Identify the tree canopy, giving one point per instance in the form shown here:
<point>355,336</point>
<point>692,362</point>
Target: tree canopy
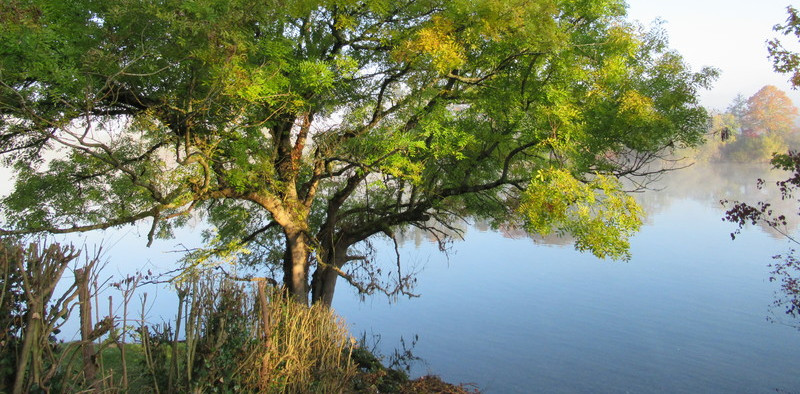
<point>770,111</point>
<point>304,129</point>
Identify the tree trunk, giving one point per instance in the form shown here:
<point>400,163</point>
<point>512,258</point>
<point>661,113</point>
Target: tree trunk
<point>30,339</point>
<point>295,265</point>
<point>87,345</point>
<point>323,285</point>
<point>323,282</point>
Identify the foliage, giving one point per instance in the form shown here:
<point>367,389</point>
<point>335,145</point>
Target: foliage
<point>769,111</point>
<point>754,149</point>
<point>302,131</point>
<point>595,211</point>
<point>156,342</point>
<point>12,307</point>
<point>725,124</point>
<point>228,337</point>
<point>787,271</point>
<point>752,130</point>
<point>785,60</point>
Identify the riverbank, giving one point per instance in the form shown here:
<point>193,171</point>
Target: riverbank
<point>131,371</point>
<point>228,335</point>
<point>374,377</point>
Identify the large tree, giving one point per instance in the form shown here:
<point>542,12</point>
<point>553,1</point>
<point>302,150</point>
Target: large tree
<point>769,111</point>
<point>309,127</point>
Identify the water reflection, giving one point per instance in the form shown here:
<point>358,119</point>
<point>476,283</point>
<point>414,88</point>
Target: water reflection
<point>705,183</point>
<point>709,184</point>
<point>686,314</point>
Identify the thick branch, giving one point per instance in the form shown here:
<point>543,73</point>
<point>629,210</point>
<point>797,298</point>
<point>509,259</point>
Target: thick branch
<point>76,228</point>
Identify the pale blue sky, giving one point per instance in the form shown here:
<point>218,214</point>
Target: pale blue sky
<point>729,35</point>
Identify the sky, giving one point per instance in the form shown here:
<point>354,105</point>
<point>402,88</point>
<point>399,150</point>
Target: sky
<point>728,35</point>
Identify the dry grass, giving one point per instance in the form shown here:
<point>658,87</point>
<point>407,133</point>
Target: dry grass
<point>308,349</point>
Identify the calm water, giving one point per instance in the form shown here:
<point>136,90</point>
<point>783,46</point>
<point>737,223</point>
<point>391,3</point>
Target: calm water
<point>686,314</point>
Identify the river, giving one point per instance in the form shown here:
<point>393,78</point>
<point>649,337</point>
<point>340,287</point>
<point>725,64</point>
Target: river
<point>688,313</point>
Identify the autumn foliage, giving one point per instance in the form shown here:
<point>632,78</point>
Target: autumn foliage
<point>752,130</point>
<point>769,111</point>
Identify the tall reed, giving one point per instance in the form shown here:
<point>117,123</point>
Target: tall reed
<point>307,349</point>
<point>242,336</point>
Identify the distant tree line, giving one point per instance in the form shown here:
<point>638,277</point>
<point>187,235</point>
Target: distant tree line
<point>751,130</point>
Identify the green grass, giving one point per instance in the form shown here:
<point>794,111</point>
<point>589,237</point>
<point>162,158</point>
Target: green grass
<point>111,364</point>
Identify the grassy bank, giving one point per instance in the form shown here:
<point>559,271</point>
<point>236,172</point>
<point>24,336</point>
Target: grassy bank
<point>371,375</point>
<point>229,335</point>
